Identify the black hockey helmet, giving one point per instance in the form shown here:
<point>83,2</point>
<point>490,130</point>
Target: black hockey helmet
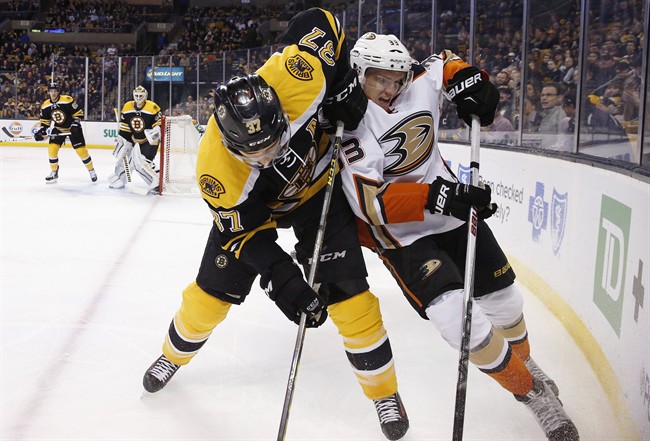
<point>53,86</point>
<point>251,120</point>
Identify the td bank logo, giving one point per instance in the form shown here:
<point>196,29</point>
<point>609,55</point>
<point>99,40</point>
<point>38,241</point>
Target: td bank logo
<point>611,257</point>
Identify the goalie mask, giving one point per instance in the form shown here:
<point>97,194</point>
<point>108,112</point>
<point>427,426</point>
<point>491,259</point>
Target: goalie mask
<point>384,52</point>
<point>140,96</point>
<point>253,125</point>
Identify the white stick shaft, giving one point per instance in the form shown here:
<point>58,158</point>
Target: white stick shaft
<point>472,227</point>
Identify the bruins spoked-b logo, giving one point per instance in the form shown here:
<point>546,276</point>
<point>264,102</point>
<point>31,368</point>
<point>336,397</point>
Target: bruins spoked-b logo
<point>221,261</point>
<point>211,186</point>
<point>299,68</point>
<point>137,124</point>
<point>58,116</point>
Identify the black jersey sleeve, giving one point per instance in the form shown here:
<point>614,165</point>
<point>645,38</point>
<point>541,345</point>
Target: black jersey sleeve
<point>320,33</point>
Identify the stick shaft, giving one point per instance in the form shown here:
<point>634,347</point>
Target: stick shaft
<point>320,234</point>
<point>463,362</point>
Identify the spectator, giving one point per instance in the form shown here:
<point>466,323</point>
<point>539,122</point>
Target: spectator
<point>568,71</point>
<point>552,113</point>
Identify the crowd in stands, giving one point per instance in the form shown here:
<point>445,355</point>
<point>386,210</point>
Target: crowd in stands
<point>550,71</point>
<point>102,15</point>
<point>612,72</point>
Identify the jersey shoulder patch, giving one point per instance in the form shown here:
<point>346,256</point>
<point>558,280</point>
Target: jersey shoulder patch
<point>221,177</point>
<point>151,107</point>
<point>129,106</point>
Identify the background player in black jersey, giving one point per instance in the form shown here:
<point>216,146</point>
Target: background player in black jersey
<point>66,114</point>
<point>139,124</point>
<point>262,165</point>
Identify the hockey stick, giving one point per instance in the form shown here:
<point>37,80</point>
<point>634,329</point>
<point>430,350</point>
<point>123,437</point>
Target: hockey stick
<point>300,338</point>
<point>31,137</point>
<point>127,170</point>
<point>461,385</point>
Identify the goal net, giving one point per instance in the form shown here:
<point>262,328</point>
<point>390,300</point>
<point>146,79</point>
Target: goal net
<point>179,146</point>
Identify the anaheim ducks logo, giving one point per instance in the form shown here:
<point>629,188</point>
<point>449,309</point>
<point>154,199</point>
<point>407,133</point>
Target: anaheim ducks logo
<point>211,186</point>
<point>299,68</point>
<point>413,139</point>
<point>429,267</point>
<point>137,124</point>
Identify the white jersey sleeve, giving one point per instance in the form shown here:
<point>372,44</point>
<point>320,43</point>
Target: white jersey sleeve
<point>391,158</point>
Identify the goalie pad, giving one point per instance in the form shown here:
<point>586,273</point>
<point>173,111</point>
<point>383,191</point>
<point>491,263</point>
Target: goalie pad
<point>120,177</point>
<point>153,135</point>
<point>145,168</point>
<point>122,147</point>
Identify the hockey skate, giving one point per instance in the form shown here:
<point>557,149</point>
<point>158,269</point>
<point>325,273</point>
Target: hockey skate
<point>52,177</point>
<point>549,413</point>
<point>159,374</point>
<point>93,175</point>
<point>536,372</point>
<point>392,416</point>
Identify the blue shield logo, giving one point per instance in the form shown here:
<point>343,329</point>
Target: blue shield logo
<point>559,205</point>
<point>463,174</point>
<point>538,211</point>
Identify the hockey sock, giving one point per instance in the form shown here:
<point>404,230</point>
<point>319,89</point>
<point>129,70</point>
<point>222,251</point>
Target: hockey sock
<point>517,337</point>
<point>53,154</point>
<point>193,323</point>
<point>85,157</point>
<point>495,358</point>
<point>366,342</point>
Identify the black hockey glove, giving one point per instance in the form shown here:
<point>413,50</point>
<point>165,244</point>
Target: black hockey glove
<point>455,199</point>
<point>75,126</point>
<point>40,134</point>
<point>346,102</point>
<point>285,285</point>
<point>473,94</point>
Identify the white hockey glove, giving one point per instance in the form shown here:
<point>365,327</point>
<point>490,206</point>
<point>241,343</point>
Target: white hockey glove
<point>122,147</point>
<point>153,135</point>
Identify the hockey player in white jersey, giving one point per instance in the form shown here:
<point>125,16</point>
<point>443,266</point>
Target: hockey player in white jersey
<point>414,210</point>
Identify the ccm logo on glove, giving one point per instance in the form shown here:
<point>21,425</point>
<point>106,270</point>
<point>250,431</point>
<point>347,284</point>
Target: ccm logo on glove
<point>343,94</point>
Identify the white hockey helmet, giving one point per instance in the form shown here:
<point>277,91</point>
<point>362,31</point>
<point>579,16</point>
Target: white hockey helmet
<point>140,95</point>
<point>381,52</point>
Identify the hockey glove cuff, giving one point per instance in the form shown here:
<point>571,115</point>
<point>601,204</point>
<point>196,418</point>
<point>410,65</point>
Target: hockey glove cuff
<point>346,102</point>
<point>474,94</point>
<point>285,285</point>
<point>40,134</point>
<point>455,199</point>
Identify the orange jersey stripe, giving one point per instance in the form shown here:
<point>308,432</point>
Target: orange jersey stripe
<point>404,202</point>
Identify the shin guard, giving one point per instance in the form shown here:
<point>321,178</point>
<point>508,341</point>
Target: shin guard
<point>359,322</point>
<point>495,358</point>
<point>193,323</point>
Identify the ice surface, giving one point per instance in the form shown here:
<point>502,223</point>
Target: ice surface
<point>91,277</point>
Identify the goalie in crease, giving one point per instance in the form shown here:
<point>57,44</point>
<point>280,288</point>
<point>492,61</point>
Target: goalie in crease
<point>139,124</point>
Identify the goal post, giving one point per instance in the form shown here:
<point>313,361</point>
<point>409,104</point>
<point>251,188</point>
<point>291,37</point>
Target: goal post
<point>179,145</point>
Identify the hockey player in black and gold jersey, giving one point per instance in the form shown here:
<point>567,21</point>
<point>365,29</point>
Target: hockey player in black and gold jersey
<point>139,124</point>
<point>262,165</point>
<point>66,114</point>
